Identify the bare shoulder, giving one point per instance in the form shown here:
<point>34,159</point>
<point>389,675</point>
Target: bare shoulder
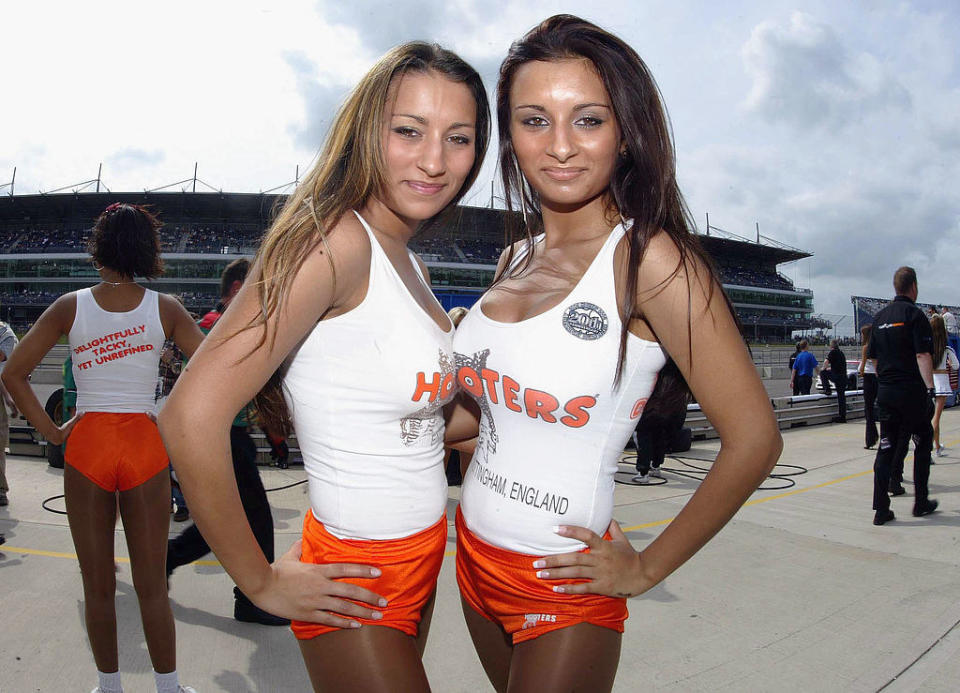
<point>346,249</point>
<point>508,254</point>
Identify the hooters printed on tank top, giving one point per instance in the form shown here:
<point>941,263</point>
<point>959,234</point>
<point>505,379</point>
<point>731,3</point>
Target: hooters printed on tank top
<point>366,391</point>
<point>552,425</point>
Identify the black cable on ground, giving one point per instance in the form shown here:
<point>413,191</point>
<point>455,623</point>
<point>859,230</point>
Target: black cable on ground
<point>697,473</point>
<point>51,510</point>
<point>283,488</point>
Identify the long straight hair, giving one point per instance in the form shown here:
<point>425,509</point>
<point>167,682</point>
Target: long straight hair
<point>349,171</point>
<point>643,188</point>
<point>939,329</point>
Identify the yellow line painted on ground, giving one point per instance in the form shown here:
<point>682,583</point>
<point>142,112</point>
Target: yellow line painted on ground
<point>448,554</point>
<point>757,501</point>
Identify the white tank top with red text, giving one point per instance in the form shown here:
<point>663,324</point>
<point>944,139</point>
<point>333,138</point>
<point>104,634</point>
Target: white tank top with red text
<point>365,391</point>
<point>116,356</point>
<point>552,426</point>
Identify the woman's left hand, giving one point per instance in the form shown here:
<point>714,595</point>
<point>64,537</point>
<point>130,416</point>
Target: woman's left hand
<point>611,568</point>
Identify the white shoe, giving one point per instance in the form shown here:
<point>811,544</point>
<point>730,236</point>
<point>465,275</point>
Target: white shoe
<point>642,479</point>
<point>186,689</point>
<point>941,451</point>
<point>655,472</point>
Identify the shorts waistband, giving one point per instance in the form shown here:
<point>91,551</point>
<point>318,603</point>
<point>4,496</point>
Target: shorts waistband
<point>379,548</point>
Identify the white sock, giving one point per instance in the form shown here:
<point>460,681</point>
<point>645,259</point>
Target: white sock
<point>167,683</point>
<point>109,683</point>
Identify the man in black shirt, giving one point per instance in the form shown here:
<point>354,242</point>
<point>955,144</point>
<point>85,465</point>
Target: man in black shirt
<point>902,344</point>
<point>836,373</point>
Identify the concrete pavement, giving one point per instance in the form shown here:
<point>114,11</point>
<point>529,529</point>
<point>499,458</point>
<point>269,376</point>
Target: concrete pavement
<point>799,592</point>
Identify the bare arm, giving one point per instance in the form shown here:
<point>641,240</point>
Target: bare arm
<point>723,374</point>
<point>224,374</point>
<point>731,395</point>
<point>55,322</point>
<point>925,364</point>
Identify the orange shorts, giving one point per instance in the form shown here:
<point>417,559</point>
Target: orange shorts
<point>117,452</point>
<point>408,578</point>
<point>503,587</point>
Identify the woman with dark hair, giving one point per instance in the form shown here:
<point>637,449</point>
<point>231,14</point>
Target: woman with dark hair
<point>944,360</point>
<point>339,304</point>
<point>868,376</point>
<point>562,353</point>
<point>114,455</point>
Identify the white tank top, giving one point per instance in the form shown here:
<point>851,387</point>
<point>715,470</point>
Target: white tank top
<point>116,356</point>
<point>365,391</point>
<point>552,427</point>
<point>869,367</point>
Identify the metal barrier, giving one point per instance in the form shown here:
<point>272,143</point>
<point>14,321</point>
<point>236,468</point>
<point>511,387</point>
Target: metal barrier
<point>802,410</point>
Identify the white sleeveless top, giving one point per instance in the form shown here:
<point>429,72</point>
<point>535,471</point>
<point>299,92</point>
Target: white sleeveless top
<point>116,356</point>
<point>552,427</point>
<point>365,391</point>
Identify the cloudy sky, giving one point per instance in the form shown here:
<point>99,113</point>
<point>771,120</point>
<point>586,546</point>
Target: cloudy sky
<point>834,125</point>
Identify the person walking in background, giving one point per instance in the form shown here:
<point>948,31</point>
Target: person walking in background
<point>190,545</point>
<point>659,425</point>
<point>944,360</point>
<point>836,373</point>
<point>868,376</point>
<point>8,341</point>
<point>902,344</point>
<point>804,368</point>
<point>793,359</point>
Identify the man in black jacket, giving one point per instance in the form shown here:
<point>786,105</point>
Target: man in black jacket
<point>902,344</point>
<point>836,373</point>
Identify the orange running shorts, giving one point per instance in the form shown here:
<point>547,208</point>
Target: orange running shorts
<point>503,587</point>
<point>115,451</point>
<point>409,569</point>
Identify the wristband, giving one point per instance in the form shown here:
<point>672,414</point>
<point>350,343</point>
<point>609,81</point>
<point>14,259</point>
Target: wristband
<point>932,392</point>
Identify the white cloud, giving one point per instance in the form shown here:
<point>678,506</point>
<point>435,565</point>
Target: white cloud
<point>805,76</point>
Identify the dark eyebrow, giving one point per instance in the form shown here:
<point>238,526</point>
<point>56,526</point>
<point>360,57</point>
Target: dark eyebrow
<point>419,119</point>
<point>578,107</point>
<point>423,121</point>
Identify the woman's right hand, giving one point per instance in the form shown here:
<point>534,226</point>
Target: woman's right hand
<point>313,592</point>
<point>62,432</point>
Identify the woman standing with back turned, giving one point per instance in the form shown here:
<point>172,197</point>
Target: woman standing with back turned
<point>114,454</point>
<point>562,353</point>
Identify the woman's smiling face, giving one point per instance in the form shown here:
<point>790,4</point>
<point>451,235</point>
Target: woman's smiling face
<point>428,138</point>
<point>564,132</point>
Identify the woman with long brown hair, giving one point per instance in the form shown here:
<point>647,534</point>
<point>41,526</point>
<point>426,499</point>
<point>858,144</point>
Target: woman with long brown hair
<point>944,360</point>
<point>339,304</point>
<point>114,456</point>
<point>562,353</point>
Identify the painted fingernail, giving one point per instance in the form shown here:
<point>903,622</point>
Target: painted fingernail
<point>559,588</point>
<point>543,573</point>
<point>382,603</point>
<point>539,563</point>
<point>375,572</point>
<point>559,529</point>
<point>377,615</point>
<point>354,624</point>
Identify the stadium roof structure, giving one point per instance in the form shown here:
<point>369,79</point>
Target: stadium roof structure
<point>82,207</point>
<point>87,206</point>
<point>736,250</point>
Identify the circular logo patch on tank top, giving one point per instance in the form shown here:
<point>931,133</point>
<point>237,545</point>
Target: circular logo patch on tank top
<point>585,321</point>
